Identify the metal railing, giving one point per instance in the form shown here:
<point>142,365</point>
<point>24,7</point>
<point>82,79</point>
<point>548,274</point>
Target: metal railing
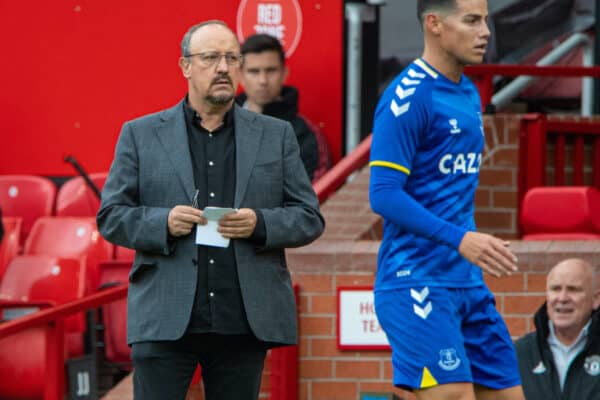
<point>484,74</point>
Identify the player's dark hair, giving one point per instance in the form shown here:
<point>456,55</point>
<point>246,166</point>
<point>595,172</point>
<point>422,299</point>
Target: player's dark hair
<point>425,6</point>
<point>261,42</point>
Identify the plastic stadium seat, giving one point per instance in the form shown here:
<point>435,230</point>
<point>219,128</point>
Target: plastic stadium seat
<point>76,199</point>
<point>43,278</point>
<point>71,237</point>
<point>10,242</point>
<point>561,213</point>
<point>36,281</point>
<point>28,197</point>
<point>114,315</point>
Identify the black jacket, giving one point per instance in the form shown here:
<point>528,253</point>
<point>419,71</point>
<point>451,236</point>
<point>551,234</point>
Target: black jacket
<point>539,374</point>
<point>286,108</point>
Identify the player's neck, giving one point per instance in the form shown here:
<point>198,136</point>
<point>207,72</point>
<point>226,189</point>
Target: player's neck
<point>444,63</point>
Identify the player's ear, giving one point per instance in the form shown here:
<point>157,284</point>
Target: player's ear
<point>433,23</point>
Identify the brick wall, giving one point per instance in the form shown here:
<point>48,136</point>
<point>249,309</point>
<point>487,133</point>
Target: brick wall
<point>496,197</point>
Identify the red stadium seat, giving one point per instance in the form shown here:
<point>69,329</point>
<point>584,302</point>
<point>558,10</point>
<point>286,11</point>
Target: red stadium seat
<point>114,315</point>
<point>71,237</point>
<point>10,242</point>
<point>30,283</point>
<point>28,197</point>
<point>561,213</point>
<point>76,199</point>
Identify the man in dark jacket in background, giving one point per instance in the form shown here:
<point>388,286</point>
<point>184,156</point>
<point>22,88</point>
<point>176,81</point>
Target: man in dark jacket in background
<point>263,75</point>
<point>561,359</point>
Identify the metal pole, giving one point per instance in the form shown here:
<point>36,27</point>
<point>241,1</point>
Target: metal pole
<point>354,13</point>
<point>587,84</point>
<point>512,90</point>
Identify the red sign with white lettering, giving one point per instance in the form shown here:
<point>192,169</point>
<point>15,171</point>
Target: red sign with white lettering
<point>279,18</point>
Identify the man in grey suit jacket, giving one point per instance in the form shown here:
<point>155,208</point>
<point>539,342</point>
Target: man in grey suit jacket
<point>188,303</point>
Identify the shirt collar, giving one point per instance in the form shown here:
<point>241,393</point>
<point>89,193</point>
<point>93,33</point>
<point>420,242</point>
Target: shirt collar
<point>582,337</point>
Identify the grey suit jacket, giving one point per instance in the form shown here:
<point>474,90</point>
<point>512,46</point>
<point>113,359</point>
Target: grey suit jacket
<point>152,172</point>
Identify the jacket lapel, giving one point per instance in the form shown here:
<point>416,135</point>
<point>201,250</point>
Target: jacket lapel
<point>248,135</point>
<point>172,134</point>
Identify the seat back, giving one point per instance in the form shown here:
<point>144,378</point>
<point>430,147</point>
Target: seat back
<point>76,199</point>
<point>28,197</point>
<point>561,213</point>
<point>37,279</point>
<point>22,365</point>
<point>43,278</point>
<point>71,237</point>
<point>114,315</point>
<point>9,247</point>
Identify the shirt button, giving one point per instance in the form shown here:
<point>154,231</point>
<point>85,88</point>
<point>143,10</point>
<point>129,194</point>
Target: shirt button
<point>210,135</point>
<point>212,194</point>
<point>211,163</point>
<point>211,294</point>
<point>211,261</point>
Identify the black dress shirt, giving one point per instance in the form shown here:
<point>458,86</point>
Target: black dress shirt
<point>218,306</point>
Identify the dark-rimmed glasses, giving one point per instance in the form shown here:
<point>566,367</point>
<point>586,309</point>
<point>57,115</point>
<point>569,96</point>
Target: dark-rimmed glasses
<point>210,58</point>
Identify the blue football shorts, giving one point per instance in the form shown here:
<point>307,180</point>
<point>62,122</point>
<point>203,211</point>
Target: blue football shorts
<point>446,335</point>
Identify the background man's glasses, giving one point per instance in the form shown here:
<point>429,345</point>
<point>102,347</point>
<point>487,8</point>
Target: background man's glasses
<point>211,58</point>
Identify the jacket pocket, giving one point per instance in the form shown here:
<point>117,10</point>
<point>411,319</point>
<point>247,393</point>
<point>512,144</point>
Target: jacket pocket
<point>141,270</point>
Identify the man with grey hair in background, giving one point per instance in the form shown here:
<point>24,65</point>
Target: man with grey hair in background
<point>219,302</point>
<point>561,359</point>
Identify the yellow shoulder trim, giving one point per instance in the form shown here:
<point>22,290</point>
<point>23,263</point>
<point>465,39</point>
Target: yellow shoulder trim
<point>426,68</point>
<point>427,380</point>
<point>391,165</point>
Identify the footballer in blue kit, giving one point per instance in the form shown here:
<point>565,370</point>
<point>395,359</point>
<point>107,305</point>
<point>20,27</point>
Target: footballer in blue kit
<point>448,340</point>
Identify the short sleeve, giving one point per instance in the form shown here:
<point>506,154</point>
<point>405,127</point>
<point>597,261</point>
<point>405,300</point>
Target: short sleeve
<point>400,124</point>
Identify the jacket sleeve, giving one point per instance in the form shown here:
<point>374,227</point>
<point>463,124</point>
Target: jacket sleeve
<point>298,220</point>
<point>122,219</point>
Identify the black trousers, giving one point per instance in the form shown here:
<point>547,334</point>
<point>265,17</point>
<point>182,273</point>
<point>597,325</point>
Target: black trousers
<point>232,367</point>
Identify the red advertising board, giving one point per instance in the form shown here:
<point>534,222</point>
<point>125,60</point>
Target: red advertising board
<point>73,71</point>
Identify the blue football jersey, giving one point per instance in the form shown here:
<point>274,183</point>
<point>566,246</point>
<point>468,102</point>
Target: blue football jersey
<point>431,129</point>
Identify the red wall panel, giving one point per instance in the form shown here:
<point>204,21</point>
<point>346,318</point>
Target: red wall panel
<point>74,71</point>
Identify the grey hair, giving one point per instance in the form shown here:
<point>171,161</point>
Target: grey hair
<point>185,42</point>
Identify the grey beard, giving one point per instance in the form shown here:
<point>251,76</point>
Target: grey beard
<point>219,100</point>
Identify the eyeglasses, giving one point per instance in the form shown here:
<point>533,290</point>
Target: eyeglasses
<point>211,58</point>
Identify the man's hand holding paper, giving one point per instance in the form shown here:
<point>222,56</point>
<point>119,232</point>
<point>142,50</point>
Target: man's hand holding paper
<point>182,219</point>
<point>208,234</point>
<point>238,225</point>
